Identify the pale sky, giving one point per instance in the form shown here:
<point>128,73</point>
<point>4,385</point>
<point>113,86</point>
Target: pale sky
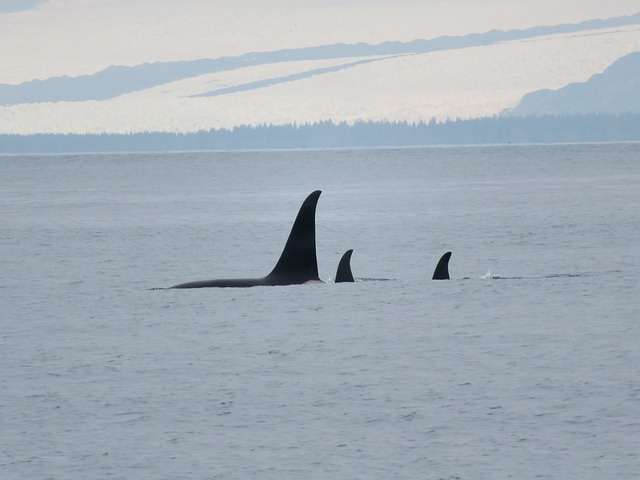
<point>73,37</point>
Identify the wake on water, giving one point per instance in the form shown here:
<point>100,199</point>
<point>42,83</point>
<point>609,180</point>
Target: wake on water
<point>494,276</point>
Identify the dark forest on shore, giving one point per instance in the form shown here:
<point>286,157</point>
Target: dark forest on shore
<point>327,134</point>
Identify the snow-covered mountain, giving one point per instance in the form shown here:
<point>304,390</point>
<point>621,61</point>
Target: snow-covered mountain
<point>446,77</point>
<point>613,91</point>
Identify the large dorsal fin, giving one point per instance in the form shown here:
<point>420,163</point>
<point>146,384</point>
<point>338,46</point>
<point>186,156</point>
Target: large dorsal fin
<point>298,262</point>
<point>442,269</point>
<point>343,274</point>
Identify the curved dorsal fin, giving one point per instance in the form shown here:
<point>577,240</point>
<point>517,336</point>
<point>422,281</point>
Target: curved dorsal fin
<point>343,274</point>
<point>298,262</point>
<point>442,269</point>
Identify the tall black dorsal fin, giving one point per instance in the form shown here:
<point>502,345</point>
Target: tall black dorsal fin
<point>298,262</point>
<point>442,269</point>
<point>344,268</point>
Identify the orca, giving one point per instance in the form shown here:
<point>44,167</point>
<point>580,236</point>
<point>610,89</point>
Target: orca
<point>442,269</point>
<point>298,262</point>
<point>343,274</point>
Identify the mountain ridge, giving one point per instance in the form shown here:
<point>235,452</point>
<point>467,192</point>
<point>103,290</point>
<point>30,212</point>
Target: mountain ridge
<point>118,80</point>
<point>613,91</point>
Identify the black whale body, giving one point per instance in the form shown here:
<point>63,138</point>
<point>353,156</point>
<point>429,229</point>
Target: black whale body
<point>298,262</point>
<point>343,274</point>
<point>442,269</point>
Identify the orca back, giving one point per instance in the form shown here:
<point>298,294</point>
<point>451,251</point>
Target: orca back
<point>344,268</point>
<point>442,269</point>
<point>298,262</point>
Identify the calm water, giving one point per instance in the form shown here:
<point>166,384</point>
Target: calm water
<point>524,365</point>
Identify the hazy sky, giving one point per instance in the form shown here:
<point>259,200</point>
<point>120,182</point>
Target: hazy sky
<point>72,37</point>
<point>19,5</point>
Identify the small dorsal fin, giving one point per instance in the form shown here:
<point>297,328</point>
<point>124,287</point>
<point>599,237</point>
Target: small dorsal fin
<point>442,269</point>
<point>298,262</point>
<point>343,274</point>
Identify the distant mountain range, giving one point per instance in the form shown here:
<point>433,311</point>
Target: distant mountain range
<point>588,67</point>
<point>616,90</point>
<point>118,80</point>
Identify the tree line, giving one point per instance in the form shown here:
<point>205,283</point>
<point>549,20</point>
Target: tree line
<point>364,133</point>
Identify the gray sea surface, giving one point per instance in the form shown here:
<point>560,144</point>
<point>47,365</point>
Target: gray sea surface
<point>526,364</point>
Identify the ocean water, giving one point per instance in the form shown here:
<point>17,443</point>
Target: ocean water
<point>526,364</point>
